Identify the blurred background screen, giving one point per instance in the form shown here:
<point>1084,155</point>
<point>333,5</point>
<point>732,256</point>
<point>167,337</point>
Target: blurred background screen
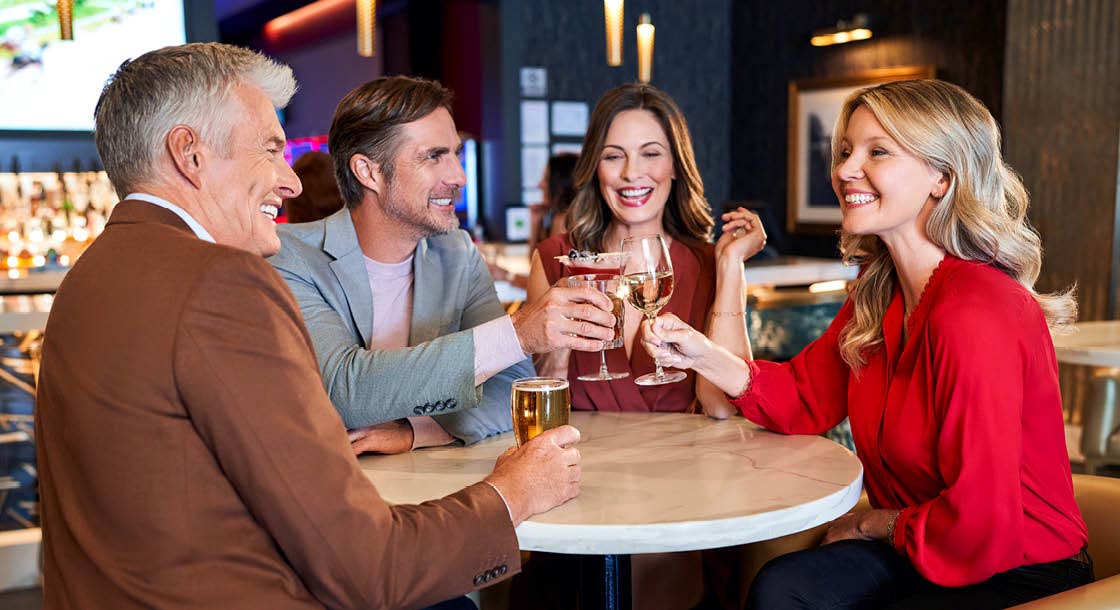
<point>51,84</point>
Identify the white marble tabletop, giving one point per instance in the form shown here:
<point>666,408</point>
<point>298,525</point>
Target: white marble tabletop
<point>656,482</point>
<point>1090,343</point>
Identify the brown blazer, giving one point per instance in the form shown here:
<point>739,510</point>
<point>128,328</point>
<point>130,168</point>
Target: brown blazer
<point>190,458</point>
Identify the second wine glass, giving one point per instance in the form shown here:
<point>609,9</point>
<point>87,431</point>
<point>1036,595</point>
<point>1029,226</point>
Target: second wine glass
<point>648,275</point>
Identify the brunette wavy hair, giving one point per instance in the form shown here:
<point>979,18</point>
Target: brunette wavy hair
<point>688,216</point>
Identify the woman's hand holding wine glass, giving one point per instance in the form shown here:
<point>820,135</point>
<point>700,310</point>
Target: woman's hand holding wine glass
<point>670,340</point>
<point>648,274</point>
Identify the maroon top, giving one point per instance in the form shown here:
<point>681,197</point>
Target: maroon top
<point>693,292</point>
<point>960,426</point>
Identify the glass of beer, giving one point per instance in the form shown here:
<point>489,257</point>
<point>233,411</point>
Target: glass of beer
<point>538,404</point>
<point>612,286</point>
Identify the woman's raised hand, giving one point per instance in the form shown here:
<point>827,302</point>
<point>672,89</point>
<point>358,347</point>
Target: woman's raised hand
<point>743,235</point>
<point>674,342</point>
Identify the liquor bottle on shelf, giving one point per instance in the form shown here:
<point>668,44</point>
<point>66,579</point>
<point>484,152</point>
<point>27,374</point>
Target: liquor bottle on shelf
<point>49,218</point>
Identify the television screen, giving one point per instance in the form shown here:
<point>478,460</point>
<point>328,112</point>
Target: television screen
<point>52,84</point>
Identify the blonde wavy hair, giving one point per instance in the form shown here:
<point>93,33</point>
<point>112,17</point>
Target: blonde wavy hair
<point>981,217</point>
<point>688,216</point>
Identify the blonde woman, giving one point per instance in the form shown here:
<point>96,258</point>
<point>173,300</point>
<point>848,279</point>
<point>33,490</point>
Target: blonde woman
<point>943,360</point>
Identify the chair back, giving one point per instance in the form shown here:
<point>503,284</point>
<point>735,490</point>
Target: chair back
<point>1099,421</point>
<point>1099,500</point>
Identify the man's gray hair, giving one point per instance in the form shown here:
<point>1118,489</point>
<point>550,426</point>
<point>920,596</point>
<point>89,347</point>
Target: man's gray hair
<point>191,85</point>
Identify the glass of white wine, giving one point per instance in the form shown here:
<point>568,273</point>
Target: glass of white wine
<point>648,275</point>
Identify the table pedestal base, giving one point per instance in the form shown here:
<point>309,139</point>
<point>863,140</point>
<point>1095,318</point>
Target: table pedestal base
<point>605,582</point>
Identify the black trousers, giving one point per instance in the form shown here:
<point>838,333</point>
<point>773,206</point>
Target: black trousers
<point>870,575</point>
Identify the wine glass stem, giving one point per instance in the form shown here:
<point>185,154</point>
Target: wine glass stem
<point>659,373</point>
<point>603,363</point>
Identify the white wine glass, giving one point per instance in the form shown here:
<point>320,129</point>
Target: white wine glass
<point>648,275</point>
<point>611,285</point>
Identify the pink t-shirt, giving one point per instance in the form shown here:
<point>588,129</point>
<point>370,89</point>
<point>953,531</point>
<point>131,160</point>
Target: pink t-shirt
<point>496,344</point>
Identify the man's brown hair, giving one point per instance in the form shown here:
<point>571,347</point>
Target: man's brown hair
<point>368,121</point>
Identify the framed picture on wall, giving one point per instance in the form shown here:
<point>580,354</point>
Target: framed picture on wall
<point>814,105</point>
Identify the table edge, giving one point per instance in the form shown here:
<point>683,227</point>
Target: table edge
<point>682,536</point>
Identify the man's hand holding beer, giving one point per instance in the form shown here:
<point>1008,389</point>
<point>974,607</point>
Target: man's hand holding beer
<point>539,475</point>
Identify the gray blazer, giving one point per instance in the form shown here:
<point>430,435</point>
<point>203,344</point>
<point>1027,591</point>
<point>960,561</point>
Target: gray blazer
<point>452,292</point>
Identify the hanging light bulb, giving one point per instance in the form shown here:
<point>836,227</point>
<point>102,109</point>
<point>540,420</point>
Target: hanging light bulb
<point>66,19</point>
<point>367,27</point>
<point>844,31</point>
<point>612,13</point>
<point>645,48</point>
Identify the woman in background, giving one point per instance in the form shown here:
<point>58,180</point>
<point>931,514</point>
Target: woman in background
<point>550,216</point>
<point>320,197</point>
<point>943,361</point>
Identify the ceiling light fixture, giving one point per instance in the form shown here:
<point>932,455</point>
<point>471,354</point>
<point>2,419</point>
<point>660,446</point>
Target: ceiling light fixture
<point>66,19</point>
<point>645,48</point>
<point>367,27</point>
<point>612,15</point>
<point>845,31</point>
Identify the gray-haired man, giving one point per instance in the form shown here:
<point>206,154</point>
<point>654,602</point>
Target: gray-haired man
<point>189,457</point>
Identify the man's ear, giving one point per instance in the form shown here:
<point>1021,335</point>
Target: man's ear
<point>185,149</point>
<point>367,172</point>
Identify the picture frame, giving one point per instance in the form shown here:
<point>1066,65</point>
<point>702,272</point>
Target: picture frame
<point>814,105</point>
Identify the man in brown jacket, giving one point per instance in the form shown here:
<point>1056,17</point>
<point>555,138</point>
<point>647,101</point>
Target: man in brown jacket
<point>188,454</point>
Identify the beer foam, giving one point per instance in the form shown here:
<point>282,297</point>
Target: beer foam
<point>540,384</point>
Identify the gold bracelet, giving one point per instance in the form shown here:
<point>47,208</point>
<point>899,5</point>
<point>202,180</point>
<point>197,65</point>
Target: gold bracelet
<point>716,314</point>
<point>890,527</point>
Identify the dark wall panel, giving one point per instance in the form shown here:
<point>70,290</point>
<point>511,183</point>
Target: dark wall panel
<point>1062,124</point>
<point>1062,133</point>
<point>691,52</point>
<point>326,71</point>
<point>964,39</point>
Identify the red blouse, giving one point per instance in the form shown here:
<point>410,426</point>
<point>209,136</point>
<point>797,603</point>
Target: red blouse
<point>960,427</point>
<point>693,292</point>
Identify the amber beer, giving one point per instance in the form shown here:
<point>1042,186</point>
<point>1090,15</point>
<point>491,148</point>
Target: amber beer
<point>538,404</point>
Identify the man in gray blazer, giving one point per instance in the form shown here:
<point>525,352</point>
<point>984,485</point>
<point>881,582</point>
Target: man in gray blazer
<point>413,345</point>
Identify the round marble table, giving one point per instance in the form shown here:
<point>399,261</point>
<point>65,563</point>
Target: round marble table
<point>1090,344</point>
<point>656,482</point>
